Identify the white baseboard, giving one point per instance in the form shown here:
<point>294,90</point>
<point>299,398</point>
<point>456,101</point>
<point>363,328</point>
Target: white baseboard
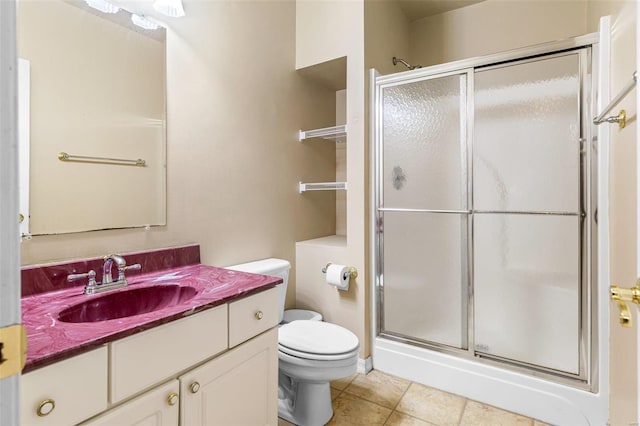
<point>365,365</point>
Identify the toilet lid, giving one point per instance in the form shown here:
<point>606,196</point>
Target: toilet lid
<point>316,337</point>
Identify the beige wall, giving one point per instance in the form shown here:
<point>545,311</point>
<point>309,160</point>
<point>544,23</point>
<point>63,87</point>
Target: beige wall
<point>622,198</point>
<point>327,30</point>
<point>494,26</point>
<point>386,35</point>
<point>235,105</point>
<point>338,307</point>
<point>99,94</point>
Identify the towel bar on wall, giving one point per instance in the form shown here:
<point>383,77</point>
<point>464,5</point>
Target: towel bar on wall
<point>335,133</point>
<point>63,156</point>
<point>621,118</point>
<point>322,186</point>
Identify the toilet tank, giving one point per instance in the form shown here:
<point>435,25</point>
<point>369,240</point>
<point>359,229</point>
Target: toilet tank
<point>274,267</point>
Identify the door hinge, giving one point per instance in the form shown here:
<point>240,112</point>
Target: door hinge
<point>13,350</point>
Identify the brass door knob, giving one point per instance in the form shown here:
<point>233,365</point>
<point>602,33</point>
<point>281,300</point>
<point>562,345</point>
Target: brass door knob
<point>46,407</point>
<point>195,387</point>
<point>259,315</point>
<point>172,399</point>
<point>20,218</point>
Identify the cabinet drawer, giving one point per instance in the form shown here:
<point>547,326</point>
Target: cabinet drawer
<point>71,390</point>
<point>140,361</point>
<point>252,315</point>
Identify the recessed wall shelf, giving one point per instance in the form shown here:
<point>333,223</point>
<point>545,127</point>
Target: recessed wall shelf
<point>335,133</point>
<point>332,241</point>
<point>322,186</point>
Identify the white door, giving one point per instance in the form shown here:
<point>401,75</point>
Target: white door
<point>9,245</point>
<point>638,192</point>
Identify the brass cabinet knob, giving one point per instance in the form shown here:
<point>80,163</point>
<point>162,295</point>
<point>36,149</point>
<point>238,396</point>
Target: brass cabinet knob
<point>20,218</point>
<point>172,399</point>
<point>259,315</point>
<point>195,387</point>
<point>46,407</point>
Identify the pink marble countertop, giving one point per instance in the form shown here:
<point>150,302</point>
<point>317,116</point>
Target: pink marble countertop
<point>50,340</point>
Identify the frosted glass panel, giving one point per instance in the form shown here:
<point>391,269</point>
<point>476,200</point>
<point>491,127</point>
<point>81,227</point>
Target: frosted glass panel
<point>527,288</point>
<point>526,154</point>
<point>422,145</point>
<point>423,281</point>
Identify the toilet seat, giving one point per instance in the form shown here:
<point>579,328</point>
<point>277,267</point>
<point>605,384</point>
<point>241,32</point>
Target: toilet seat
<point>316,357</point>
<point>291,315</point>
<point>315,340</point>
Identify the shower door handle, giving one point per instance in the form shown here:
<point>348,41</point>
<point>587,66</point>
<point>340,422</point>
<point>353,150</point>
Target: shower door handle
<point>623,295</point>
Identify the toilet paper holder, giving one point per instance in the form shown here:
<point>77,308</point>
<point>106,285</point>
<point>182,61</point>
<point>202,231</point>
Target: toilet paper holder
<point>353,272</point>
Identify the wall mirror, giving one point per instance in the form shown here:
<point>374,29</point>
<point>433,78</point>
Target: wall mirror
<point>95,89</point>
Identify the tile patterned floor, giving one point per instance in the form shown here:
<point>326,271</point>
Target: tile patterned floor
<point>381,399</point>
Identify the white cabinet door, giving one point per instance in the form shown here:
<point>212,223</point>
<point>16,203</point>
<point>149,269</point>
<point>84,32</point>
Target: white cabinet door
<point>158,407</point>
<point>237,388</point>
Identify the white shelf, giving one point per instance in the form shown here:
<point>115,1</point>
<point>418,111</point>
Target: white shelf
<point>328,241</point>
<point>335,133</point>
<point>322,186</point>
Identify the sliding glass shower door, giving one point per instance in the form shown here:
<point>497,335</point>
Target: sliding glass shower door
<point>425,209</point>
<point>527,212</point>
<point>483,192</point>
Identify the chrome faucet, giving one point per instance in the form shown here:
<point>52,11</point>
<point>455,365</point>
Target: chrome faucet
<point>108,283</point>
<point>109,260</point>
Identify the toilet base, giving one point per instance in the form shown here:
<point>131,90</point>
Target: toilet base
<point>304,403</point>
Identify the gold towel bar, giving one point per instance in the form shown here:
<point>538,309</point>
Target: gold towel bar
<point>621,118</point>
<point>63,156</point>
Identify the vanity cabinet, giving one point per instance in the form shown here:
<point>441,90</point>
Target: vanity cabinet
<point>181,372</point>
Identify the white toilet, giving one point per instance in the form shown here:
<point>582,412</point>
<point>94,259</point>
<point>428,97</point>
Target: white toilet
<point>311,353</point>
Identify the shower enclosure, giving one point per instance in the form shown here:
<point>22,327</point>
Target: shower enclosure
<point>485,212</point>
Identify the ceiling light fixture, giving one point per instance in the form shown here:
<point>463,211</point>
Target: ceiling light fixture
<point>143,22</point>
<point>171,8</point>
<point>103,6</point>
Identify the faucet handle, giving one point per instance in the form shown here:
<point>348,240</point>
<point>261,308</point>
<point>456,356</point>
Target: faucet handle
<point>91,275</point>
<point>134,267</point>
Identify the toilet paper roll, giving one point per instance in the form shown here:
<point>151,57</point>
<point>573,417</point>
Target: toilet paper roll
<point>338,275</point>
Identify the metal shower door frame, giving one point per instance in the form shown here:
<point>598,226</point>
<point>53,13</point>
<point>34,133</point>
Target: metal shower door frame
<point>588,160</point>
<point>466,132</point>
